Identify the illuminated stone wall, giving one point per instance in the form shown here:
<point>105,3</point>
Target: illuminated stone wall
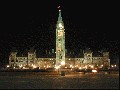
<point>85,62</point>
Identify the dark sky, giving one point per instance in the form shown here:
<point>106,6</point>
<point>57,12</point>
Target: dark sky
<point>88,24</point>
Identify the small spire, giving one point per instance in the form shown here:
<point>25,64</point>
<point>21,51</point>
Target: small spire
<point>60,13</point>
<point>59,18</point>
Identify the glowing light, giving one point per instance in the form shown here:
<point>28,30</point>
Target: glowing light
<point>112,66</point>
<point>92,66</point>
<point>60,25</point>
<point>20,66</point>
<point>102,65</point>
<point>94,70</point>
<point>34,66</point>
<point>57,67</point>
<point>80,68</point>
<point>70,65</point>
<point>62,63</point>
<point>86,67</point>
<point>8,66</point>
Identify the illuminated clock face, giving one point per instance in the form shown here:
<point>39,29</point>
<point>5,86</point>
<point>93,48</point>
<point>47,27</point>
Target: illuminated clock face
<point>60,25</point>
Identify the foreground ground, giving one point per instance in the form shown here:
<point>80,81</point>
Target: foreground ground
<point>36,80</point>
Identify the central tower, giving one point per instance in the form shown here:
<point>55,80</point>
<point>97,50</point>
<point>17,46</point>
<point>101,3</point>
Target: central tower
<point>60,42</point>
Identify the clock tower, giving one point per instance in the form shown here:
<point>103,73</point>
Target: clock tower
<point>60,42</point>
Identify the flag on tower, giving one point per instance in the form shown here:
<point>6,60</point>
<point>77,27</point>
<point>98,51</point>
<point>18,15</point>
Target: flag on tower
<point>58,7</point>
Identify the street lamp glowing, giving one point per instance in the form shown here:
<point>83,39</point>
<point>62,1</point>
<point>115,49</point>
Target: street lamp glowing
<point>8,66</point>
<point>23,67</point>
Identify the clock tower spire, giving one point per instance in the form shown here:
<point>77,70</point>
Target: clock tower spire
<point>60,42</point>
<point>59,18</point>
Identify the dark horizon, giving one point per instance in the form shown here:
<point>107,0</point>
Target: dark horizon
<point>87,25</point>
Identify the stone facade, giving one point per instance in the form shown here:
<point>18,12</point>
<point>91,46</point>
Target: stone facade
<point>32,61</point>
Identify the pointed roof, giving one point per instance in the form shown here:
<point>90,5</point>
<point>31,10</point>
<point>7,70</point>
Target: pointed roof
<point>60,17</point>
<point>32,50</point>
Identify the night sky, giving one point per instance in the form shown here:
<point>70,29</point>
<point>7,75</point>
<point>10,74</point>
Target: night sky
<point>88,24</point>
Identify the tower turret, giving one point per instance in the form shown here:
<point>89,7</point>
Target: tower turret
<point>106,59</point>
<point>31,56</point>
<point>12,59</point>
<point>88,56</point>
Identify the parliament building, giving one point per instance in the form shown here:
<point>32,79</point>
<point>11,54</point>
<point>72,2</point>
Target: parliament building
<point>60,57</point>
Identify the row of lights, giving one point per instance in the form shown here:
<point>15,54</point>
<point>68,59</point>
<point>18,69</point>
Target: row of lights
<point>63,63</point>
<point>113,65</point>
